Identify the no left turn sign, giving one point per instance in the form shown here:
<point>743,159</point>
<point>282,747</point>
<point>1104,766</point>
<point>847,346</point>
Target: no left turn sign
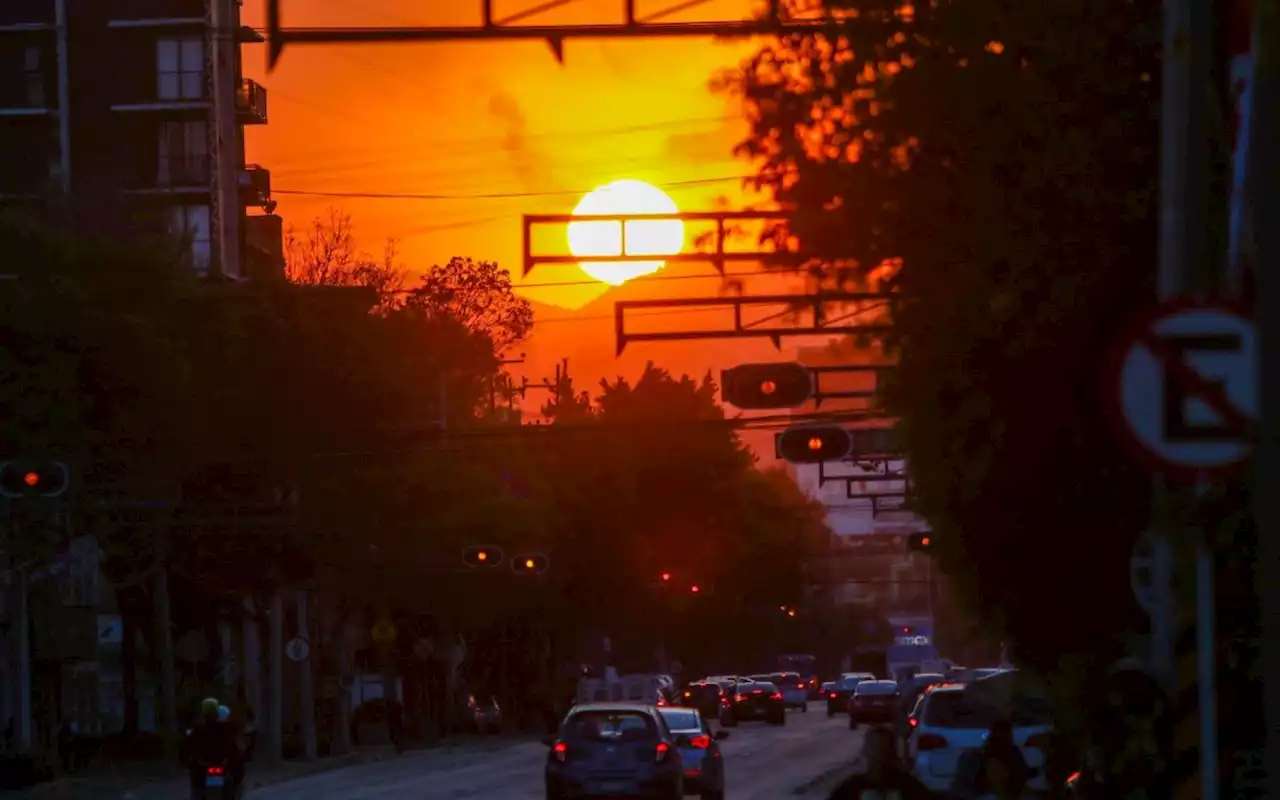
<point>1184,386</point>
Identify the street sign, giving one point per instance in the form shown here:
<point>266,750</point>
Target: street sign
<point>1183,384</point>
<point>297,649</point>
<point>384,632</point>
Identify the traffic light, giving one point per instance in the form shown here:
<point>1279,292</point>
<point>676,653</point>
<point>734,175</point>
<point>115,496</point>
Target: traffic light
<point>666,577</point>
<point>920,542</point>
<point>759,386</point>
<point>695,589</point>
<point>530,564</point>
<point>482,556</point>
<point>811,444</point>
<point>29,479</point>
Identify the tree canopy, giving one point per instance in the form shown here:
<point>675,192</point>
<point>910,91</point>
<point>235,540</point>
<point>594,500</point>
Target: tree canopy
<point>995,164</point>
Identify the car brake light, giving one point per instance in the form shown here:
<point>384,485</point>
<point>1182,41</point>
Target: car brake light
<point>1040,740</point>
<point>740,697</point>
<point>215,770</point>
<point>758,691</point>
<point>701,742</point>
<point>776,696</point>
<point>931,741</point>
<point>834,695</point>
<point>912,721</point>
<point>560,752</point>
<point>799,685</point>
<point>661,754</point>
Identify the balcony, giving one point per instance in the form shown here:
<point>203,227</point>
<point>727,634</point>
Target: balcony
<point>251,103</point>
<point>255,186</point>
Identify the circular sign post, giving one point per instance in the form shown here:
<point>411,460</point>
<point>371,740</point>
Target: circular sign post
<point>1183,387</point>
<point>297,649</point>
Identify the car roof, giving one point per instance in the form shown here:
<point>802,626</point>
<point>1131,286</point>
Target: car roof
<point>886,685</point>
<point>620,706</point>
<point>945,688</point>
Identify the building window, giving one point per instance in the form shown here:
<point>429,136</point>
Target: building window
<point>180,69</point>
<point>33,77</point>
<point>191,224</point>
<point>184,154</point>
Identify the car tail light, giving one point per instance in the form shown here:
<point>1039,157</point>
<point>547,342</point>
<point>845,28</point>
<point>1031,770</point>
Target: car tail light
<point>834,695</point>
<point>701,742</point>
<point>912,721</point>
<point>1040,740</point>
<point>757,691</point>
<point>776,696</point>
<point>215,770</point>
<point>740,697</point>
<point>560,752</point>
<point>661,702</point>
<point>662,751</point>
<point>931,741</point>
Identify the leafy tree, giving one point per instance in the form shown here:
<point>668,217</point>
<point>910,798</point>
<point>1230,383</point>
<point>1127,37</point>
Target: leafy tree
<point>327,255</point>
<point>995,164</point>
<point>477,294</point>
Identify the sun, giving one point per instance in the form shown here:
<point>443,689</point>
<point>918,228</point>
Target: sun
<point>664,237</point>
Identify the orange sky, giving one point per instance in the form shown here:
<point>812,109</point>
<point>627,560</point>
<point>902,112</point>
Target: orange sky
<point>505,119</point>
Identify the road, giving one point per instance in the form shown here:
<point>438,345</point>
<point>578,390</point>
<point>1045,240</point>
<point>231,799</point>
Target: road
<point>764,763</point>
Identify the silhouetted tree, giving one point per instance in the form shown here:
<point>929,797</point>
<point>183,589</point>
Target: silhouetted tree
<point>479,295</point>
<point>326,254</point>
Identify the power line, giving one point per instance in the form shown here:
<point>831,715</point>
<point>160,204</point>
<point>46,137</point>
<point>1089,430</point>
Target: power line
<point>493,195</point>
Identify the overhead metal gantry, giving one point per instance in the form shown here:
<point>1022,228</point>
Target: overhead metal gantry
<point>632,24</point>
<point>726,226</point>
<point>827,311</point>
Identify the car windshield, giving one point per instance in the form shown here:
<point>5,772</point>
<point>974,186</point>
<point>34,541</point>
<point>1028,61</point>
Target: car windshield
<point>679,719</point>
<point>600,725</point>
<point>876,687</point>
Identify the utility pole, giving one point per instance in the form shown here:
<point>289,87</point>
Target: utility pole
<point>1264,197</point>
<point>275,668</point>
<point>1186,264</point>
<point>306,685</point>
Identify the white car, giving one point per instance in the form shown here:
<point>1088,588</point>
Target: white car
<point>946,727</point>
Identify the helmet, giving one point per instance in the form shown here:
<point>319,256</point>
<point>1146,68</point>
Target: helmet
<point>209,707</point>
<point>224,713</point>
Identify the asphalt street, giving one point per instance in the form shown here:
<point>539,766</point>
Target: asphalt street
<point>763,762</point>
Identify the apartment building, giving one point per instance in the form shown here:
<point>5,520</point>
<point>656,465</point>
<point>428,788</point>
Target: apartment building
<point>140,104</point>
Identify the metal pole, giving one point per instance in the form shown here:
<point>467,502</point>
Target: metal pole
<point>306,688</point>
<point>1265,201</point>
<point>24,661</point>
<point>275,667</point>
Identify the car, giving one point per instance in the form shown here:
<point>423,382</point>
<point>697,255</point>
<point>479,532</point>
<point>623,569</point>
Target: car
<point>912,691</point>
<point>710,698</point>
<point>873,702</point>
<point>757,701</point>
<point>948,726</point>
<point>795,691</point>
<point>614,750</point>
<point>700,751</point>
<point>840,691</point>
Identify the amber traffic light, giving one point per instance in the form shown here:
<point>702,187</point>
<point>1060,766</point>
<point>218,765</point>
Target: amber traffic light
<point>530,564</point>
<point>29,479</point>
<point>482,555</point>
<point>762,386</point>
<point>920,542</point>
<point>810,444</point>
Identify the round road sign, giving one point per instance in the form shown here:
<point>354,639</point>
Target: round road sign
<point>297,649</point>
<point>1183,384</point>
<point>384,632</point>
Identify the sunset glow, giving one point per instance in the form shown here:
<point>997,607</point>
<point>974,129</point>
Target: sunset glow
<point>643,238</point>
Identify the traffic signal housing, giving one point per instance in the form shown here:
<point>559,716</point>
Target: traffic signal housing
<point>785,384</point>
<point>920,542</point>
<point>31,479</point>
<point>812,444</point>
<point>482,556</point>
<point>530,564</point>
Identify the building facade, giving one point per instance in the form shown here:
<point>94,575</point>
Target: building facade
<point>140,104</point>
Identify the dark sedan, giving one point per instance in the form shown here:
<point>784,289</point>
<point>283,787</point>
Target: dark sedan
<point>760,701</point>
<point>710,699</point>
<point>614,750</point>
<point>841,690</point>
<point>873,702</point>
<point>700,751</point>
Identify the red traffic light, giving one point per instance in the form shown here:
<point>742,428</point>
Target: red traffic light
<point>774,385</point>
<point>482,555</point>
<point>810,444</point>
<point>27,479</point>
<point>695,588</point>
<point>666,576</point>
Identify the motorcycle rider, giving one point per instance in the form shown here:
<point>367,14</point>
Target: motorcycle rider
<point>213,740</point>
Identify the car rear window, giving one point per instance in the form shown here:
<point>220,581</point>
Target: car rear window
<point>610,726</point>
<point>679,719</point>
<point>876,687</point>
<point>849,683</point>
